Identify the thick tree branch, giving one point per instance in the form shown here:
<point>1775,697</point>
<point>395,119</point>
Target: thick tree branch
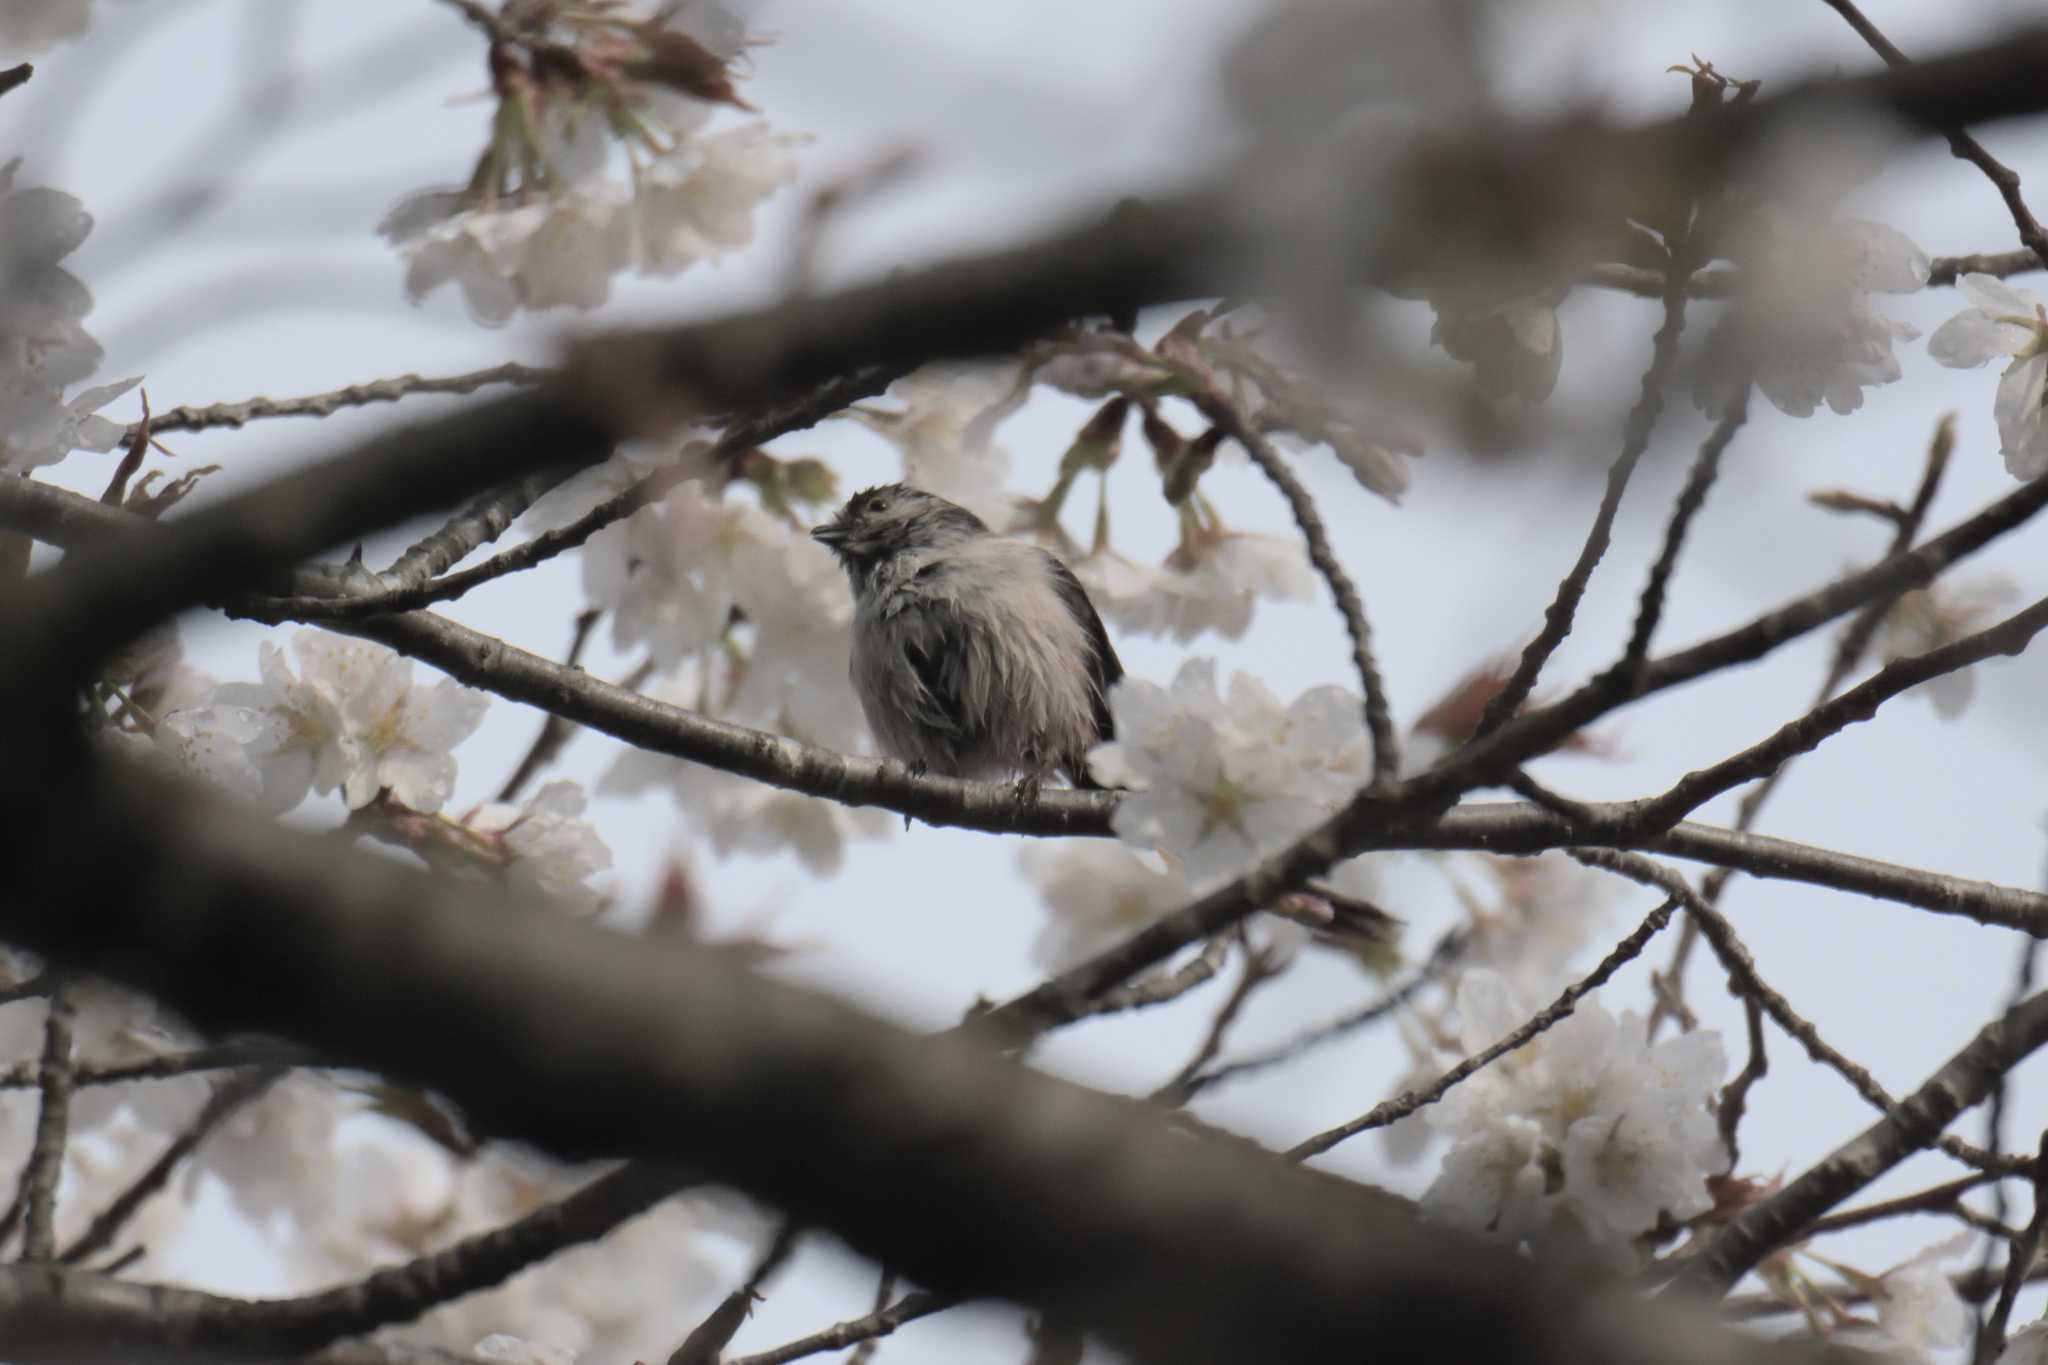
<point>589,1043</point>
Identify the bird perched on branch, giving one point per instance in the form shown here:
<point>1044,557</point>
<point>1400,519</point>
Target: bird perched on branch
<point>974,654</point>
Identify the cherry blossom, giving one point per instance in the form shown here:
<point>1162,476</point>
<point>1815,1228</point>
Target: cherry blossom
<point>1218,782</point>
<point>698,201</point>
<point>1095,894</point>
<point>944,432</point>
<point>665,573</point>
<point>1213,588</point>
<point>548,844</point>
<point>1804,329</point>
<point>1617,1131</point>
<point>1917,1303</point>
<point>1928,618</point>
<point>350,719</point>
<point>44,347</point>
<point>2004,321</point>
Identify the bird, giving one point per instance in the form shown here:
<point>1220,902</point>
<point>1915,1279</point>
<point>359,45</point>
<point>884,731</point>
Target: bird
<point>975,654</point>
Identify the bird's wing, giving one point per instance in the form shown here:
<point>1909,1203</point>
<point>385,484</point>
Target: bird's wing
<point>1104,668</point>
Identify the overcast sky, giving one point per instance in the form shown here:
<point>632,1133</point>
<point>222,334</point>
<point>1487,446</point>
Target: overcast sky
<point>235,255</point>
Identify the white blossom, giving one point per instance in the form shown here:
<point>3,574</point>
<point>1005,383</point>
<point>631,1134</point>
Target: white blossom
<point>1213,589</point>
<point>1542,914</point>
<point>558,253</point>
<point>1095,894</point>
<point>350,719</point>
<point>1804,329</point>
<point>1218,782</point>
<point>665,574</point>
<point>2005,321</point>
<point>2027,1346</point>
<point>511,1350</point>
<point>739,815</point>
<point>944,431</point>
<point>1617,1130</point>
<point>276,1156</point>
<point>44,347</point>
<point>547,842</point>
<point>1930,618</point>
<point>1917,1303</point>
<point>697,201</point>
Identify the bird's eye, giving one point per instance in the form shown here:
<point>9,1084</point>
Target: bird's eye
<point>878,504</point>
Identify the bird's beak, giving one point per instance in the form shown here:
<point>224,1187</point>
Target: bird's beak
<point>831,535</point>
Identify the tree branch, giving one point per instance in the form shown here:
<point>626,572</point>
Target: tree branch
<point>1782,1218</point>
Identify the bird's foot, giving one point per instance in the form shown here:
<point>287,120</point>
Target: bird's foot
<point>1024,794</point>
<point>917,769</point>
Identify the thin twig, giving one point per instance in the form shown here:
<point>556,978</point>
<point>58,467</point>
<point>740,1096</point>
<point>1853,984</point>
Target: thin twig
<point>704,1345</point>
<point>885,1289</point>
<point>223,1105</point>
<point>739,438</point>
<point>1723,284</point>
<point>909,1308</point>
<point>1642,420</point>
<point>53,1129</point>
<point>327,404</point>
<point>1964,146</point>
<point>1401,1106</point>
<point>555,730</point>
<point>1735,1095</point>
<point>1757,1231</point>
<point>14,77</point>
<point>2019,1260</point>
<point>1690,500</point>
<point>219,1057</point>
<point>1226,415</point>
<point>1939,1199</point>
<point>1260,966</point>
<point>1848,654</point>
<point>1735,956</point>
<point>1447,950</point>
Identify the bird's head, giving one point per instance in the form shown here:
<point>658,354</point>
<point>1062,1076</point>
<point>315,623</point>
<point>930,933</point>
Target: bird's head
<point>893,519</point>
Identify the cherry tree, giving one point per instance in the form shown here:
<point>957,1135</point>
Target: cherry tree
<point>385,982</point>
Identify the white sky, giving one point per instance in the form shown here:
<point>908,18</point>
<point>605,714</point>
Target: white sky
<point>279,287</point>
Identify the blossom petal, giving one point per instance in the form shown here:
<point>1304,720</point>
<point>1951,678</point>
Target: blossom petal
<point>1994,296</point>
<point>1972,337</point>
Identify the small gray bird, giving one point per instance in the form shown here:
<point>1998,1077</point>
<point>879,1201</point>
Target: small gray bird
<point>974,655</point>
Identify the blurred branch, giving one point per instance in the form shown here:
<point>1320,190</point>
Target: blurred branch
<point>38,1193</point>
<point>224,1104</point>
<point>405,589</point>
<point>14,77</point>
<point>576,1038</point>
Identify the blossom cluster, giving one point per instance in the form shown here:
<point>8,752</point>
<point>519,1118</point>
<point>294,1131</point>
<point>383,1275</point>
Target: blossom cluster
<point>544,223</point>
<point>44,347</point>
<point>1587,1129</point>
